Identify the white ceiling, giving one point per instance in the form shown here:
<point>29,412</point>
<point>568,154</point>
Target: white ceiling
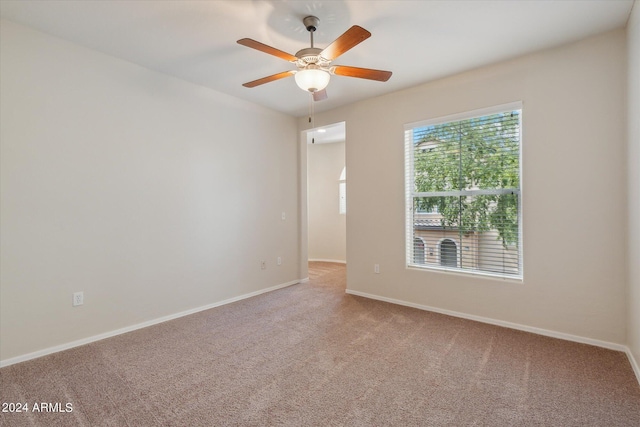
<point>417,40</point>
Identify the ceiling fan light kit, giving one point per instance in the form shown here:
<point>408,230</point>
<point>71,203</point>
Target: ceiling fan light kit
<point>314,67</point>
<point>312,78</point>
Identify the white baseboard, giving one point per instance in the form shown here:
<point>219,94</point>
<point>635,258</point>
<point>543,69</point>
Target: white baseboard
<point>339,261</point>
<point>66,346</point>
<point>634,364</point>
<point>539,331</point>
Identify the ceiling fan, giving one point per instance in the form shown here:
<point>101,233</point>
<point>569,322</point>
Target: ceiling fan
<point>314,67</point>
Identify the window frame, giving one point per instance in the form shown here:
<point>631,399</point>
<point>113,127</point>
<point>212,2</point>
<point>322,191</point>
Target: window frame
<point>410,194</point>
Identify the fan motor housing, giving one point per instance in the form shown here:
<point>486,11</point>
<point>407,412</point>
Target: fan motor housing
<point>309,55</point>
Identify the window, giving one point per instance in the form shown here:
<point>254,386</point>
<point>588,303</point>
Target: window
<point>342,192</point>
<point>418,251</point>
<point>463,192</point>
<point>431,210</point>
<point>448,253</point>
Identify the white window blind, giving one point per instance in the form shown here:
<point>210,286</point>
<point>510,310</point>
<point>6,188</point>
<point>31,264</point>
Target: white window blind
<point>463,192</point>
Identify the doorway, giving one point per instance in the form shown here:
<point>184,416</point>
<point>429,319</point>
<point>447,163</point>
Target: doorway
<point>326,193</point>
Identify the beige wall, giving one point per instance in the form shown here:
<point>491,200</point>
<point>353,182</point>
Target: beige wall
<point>150,194</point>
<point>633,163</point>
<point>574,147</point>
<point>327,227</point>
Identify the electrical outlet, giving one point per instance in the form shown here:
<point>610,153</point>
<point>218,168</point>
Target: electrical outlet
<point>78,298</point>
<point>376,268</point>
<point>284,216</point>
<point>279,260</point>
<point>263,265</point>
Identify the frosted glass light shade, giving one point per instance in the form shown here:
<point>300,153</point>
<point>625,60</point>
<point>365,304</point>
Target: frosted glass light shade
<point>312,79</point>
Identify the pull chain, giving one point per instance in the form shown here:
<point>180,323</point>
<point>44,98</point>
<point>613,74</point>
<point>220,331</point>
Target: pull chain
<point>311,118</point>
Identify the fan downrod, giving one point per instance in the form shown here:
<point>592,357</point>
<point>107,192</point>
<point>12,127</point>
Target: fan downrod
<point>309,55</point>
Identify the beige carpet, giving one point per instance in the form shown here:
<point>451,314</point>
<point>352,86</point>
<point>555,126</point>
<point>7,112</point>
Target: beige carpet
<point>311,355</point>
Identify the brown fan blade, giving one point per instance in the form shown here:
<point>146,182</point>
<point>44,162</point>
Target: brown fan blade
<point>361,73</point>
<point>269,79</point>
<point>320,95</point>
<point>267,49</point>
<point>346,41</point>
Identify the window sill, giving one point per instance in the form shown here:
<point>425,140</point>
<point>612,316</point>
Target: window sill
<point>476,274</point>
